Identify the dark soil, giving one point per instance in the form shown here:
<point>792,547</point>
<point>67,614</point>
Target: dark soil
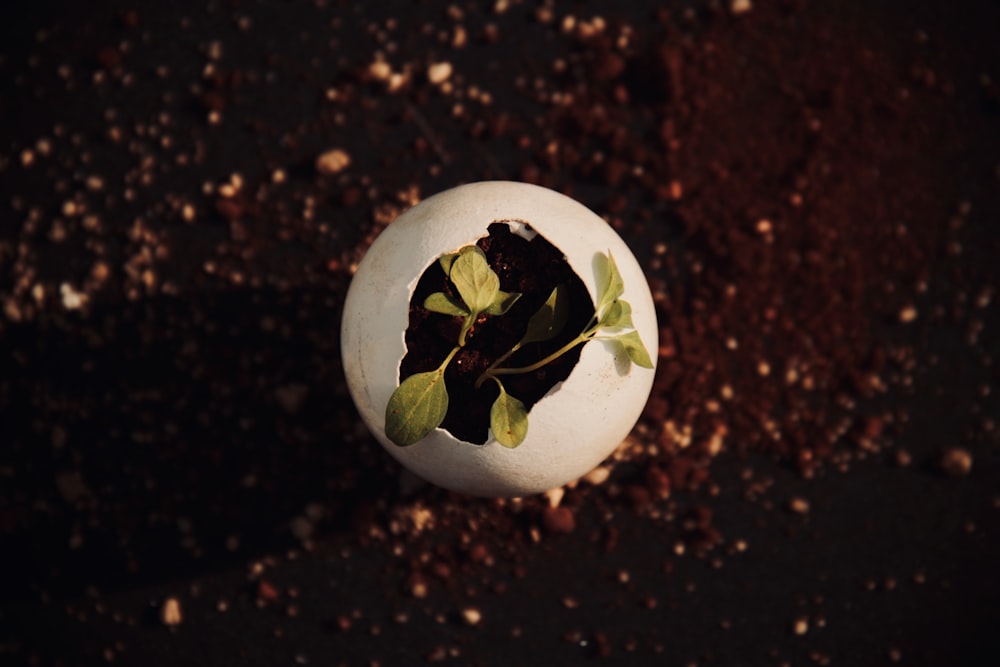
<point>531,268</point>
<point>810,187</point>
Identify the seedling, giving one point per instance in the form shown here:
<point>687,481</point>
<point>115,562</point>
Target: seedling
<point>420,403</point>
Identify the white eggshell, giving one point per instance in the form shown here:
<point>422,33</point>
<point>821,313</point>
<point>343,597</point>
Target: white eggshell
<point>573,427</point>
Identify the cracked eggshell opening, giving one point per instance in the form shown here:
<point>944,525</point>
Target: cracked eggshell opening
<point>572,428</point>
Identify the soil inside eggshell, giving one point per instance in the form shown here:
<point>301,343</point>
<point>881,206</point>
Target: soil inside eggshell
<point>532,268</point>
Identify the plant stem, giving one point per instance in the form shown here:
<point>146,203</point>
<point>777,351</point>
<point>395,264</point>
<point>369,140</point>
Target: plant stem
<point>582,338</point>
<point>491,372</point>
<point>451,355</point>
<point>447,360</point>
<point>470,319</point>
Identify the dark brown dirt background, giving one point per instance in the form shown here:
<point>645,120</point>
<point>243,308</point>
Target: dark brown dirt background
<point>810,186</point>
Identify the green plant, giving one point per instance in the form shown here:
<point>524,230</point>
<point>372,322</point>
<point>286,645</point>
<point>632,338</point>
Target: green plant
<point>420,403</point>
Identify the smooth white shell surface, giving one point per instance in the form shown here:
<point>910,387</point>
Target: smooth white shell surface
<point>571,429</point>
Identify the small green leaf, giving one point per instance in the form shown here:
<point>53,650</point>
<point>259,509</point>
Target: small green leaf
<point>618,315</point>
<point>609,282</point>
<point>502,302</point>
<point>416,408</point>
<point>635,349</point>
<point>611,316</point>
<point>625,319</point>
<point>508,420</point>
<point>550,319</point>
<point>475,281</point>
<point>439,302</point>
<point>446,261</point>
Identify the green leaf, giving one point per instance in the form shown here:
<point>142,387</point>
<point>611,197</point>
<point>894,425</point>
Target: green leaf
<point>609,282</point>
<point>550,319</point>
<point>508,420</point>
<point>611,316</point>
<point>625,319</point>
<point>416,408</point>
<point>502,302</point>
<point>635,349</point>
<point>618,315</point>
<point>446,261</point>
<point>439,302</point>
<point>475,281</point>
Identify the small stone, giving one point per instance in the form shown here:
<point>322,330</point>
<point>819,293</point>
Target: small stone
<point>799,505</point>
<point>558,520</point>
<point>570,602</point>
<point>738,7</point>
<point>396,81</point>
<point>71,298</point>
<point>170,612</point>
<point>675,190</point>
<point>266,592</point>
<point>380,70</point>
<point>801,626</point>
<point>907,314</point>
<point>438,73</point>
<point>12,310</point>
<point>957,462</point>
<point>333,161</point>
<point>472,616</point>
<point>417,587</point>
<point>598,475</point>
